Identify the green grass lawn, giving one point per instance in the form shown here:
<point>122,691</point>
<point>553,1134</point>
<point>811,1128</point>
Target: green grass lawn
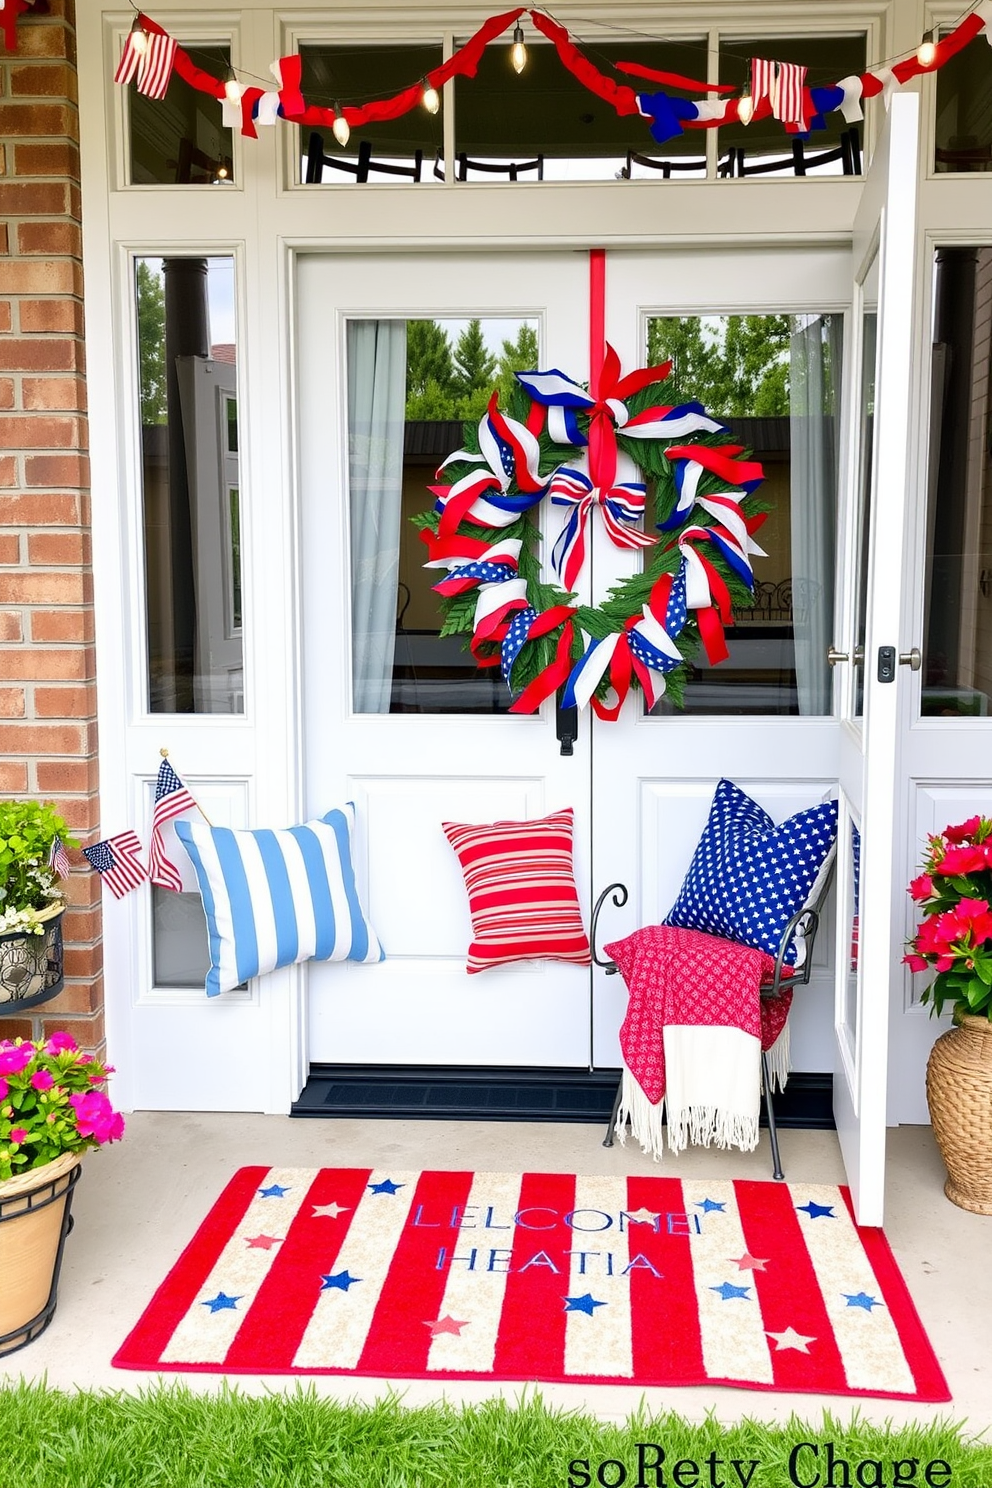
<point>173,1437</point>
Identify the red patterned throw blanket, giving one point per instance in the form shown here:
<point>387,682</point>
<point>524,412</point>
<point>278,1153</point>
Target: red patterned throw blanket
<point>693,1035</point>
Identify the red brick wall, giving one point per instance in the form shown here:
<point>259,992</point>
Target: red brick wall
<point>47,673</point>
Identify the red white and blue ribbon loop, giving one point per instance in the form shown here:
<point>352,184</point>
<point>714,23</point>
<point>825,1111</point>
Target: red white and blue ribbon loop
<point>621,505</point>
<point>693,463</point>
<point>511,456</point>
<point>471,562</point>
<point>645,648</point>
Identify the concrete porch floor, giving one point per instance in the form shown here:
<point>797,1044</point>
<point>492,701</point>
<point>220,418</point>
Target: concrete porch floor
<point>139,1203</point>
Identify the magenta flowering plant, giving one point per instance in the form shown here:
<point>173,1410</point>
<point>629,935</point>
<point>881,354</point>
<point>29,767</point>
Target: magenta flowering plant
<point>52,1100</point>
<point>955,935</point>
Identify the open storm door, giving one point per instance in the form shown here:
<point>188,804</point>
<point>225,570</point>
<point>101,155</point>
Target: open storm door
<point>870,893</point>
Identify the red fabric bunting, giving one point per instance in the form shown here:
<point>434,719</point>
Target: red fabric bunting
<point>673,79</point>
<point>970,27</point>
<point>249,98</point>
<point>617,95</point>
<point>465,62</point>
<point>290,93</point>
<point>8,22</point>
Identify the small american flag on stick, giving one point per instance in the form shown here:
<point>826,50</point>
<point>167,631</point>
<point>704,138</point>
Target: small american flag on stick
<point>58,858</point>
<point>117,862</point>
<point>171,800</point>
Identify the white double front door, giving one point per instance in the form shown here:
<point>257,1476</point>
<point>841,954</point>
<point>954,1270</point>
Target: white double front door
<point>640,787</point>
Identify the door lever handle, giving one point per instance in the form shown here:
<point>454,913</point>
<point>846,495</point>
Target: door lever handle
<point>834,656</point>
<point>913,659</point>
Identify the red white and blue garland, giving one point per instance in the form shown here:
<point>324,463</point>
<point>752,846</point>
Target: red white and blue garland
<point>699,493</point>
<point>779,90</point>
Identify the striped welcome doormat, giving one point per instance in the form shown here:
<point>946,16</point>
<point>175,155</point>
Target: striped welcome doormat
<point>539,1276</point>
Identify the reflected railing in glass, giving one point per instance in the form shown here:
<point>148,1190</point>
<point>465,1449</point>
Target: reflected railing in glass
<point>191,499</point>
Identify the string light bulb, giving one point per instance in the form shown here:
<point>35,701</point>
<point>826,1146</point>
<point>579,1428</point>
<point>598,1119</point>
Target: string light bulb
<point>138,37</point>
<point>232,88</point>
<point>926,52</point>
<point>340,129</point>
<point>745,104</point>
<point>518,51</point>
<point>431,98</point>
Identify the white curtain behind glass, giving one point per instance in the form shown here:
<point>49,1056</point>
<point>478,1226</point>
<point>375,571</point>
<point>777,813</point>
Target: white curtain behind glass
<point>814,366</point>
<point>376,407</point>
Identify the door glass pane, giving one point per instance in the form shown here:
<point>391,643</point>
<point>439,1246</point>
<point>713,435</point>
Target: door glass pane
<point>411,144</point>
<point>963,132</point>
<point>957,652</point>
<point>763,145</point>
<point>774,380</point>
<point>180,952</point>
<point>866,460</point>
<point>179,140</point>
<point>546,117</point>
<point>411,384</point>
<point>187,382</point>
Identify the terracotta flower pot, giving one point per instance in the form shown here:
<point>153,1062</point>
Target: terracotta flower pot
<point>34,1221</point>
<point>959,1094</point>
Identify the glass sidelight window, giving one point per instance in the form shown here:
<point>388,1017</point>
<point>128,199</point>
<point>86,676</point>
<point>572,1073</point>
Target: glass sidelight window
<point>775,381</point>
<point>411,384</point>
<point>957,653</point>
<point>191,502</point>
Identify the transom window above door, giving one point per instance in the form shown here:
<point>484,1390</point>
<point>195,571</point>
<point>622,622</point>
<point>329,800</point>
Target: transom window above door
<point>543,124</point>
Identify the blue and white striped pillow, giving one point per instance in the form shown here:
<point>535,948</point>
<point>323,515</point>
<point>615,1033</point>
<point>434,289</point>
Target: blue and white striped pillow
<point>275,897</point>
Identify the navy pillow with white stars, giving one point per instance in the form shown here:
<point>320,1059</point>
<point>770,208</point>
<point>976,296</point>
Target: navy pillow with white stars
<point>748,877</point>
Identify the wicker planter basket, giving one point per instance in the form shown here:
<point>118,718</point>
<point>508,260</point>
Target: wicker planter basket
<point>34,1221</point>
<point>959,1094</point>
<point>31,965</point>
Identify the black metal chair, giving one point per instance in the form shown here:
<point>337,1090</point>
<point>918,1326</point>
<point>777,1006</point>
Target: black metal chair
<point>361,168</point>
<point>806,922</point>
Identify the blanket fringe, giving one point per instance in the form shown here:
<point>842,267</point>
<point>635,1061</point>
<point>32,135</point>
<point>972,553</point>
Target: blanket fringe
<point>779,1062</point>
<point>646,1120</point>
<point>701,1125</point>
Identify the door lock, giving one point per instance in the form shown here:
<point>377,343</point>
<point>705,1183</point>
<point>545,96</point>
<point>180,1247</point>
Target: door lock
<point>886,663</point>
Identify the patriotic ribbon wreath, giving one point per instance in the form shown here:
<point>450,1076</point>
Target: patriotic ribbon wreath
<point>697,562</point>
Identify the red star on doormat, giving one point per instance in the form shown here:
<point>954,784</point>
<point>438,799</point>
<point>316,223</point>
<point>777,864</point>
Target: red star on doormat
<point>262,1242</point>
<point>748,1262</point>
<point>447,1325</point>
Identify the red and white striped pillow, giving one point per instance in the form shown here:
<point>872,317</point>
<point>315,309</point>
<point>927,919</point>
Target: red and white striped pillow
<point>521,891</point>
